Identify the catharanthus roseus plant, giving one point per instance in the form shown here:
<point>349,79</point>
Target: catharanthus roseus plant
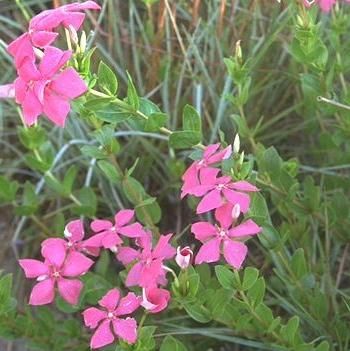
<point>145,223</point>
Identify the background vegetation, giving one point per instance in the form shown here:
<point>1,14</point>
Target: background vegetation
<point>175,51</point>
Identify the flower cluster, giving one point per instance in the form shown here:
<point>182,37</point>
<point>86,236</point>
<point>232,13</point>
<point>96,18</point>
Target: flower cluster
<point>131,244</point>
<point>43,85</point>
<point>228,199</point>
<point>325,5</point>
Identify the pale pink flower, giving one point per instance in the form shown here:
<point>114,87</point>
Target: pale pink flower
<point>211,156</point>
<point>74,234</point>
<point>107,322</point>
<point>325,5</point>
<point>155,300</point>
<point>183,256</point>
<point>46,89</point>
<point>41,26</point>
<point>223,238</point>
<point>58,266</point>
<point>148,271</point>
<point>217,191</point>
<point>7,91</point>
<point>108,233</point>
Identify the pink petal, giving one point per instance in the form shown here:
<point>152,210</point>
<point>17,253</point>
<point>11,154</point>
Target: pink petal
<point>123,217</point>
<point>244,186</point>
<point>28,70</point>
<point>74,19</point>
<point>223,215</point>
<point>46,20</point>
<point>209,252</point>
<point>99,225</point>
<point>110,300</point>
<point>163,249</point>
<point>55,252</point>
<point>111,240</point>
<point>7,91</point>
<point>200,190</point>
<point>93,316</point>
<point>210,150</point>
<point>31,108</point>
<point>20,90</point>
<point>248,227</point>
<point>210,201</point>
<point>70,290</point>
<point>80,6</point>
<point>235,197</point>
<point>126,329</point>
<point>21,48</point>
<point>221,155</point>
<point>155,300</point>
<point>208,175</point>
<point>134,230</point>
<point>43,293</point>
<point>126,255</point>
<point>42,39</point>
<point>134,276</point>
<point>128,304</point>
<point>235,253</point>
<point>56,108</point>
<point>95,241</point>
<point>74,230</point>
<point>33,268</point>
<point>54,241</point>
<point>69,84</point>
<point>203,230</point>
<point>76,264</point>
<point>151,273</point>
<point>103,335</point>
<point>54,59</point>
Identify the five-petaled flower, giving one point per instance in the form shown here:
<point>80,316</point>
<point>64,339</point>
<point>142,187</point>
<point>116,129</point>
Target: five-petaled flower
<point>108,233</point>
<point>148,271</point>
<point>223,237</point>
<point>54,271</point>
<point>108,322</point>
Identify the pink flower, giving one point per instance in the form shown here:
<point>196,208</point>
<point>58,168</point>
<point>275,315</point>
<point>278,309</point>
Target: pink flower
<point>225,238</point>
<point>41,28</point>
<point>183,256</point>
<point>58,266</point>
<point>108,233</point>
<point>66,15</point>
<point>74,234</point>
<point>148,271</point>
<point>217,191</point>
<point>211,156</point>
<point>325,5</point>
<point>155,300</point>
<point>47,89</point>
<point>108,322</point>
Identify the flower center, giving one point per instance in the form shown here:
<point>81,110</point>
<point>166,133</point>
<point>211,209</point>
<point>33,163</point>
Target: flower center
<point>56,274</point>
<point>220,186</point>
<point>70,244</point>
<point>222,233</point>
<point>110,315</point>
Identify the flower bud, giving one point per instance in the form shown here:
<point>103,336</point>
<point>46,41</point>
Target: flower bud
<point>236,211</point>
<point>73,34</point>
<point>155,300</point>
<point>184,256</point>
<point>238,53</point>
<point>236,144</point>
<point>83,41</point>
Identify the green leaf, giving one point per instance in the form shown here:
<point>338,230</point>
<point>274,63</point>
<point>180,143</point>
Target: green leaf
<point>8,189</point>
<point>184,139</point>
<point>148,211</point>
<point>191,120</point>
<point>289,331</point>
<point>249,278</point>
<point>133,190</point>
<point>88,201</point>
<point>93,152</point>
<point>69,179</point>
<point>257,292</point>
<point>197,312</point>
<point>30,201</point>
<point>155,121</point>
<point>54,184</point>
<point>112,113</point>
<point>298,263</point>
<point>324,346</point>
<point>171,344</point>
<point>145,340</point>
<point>132,96</point>
<point>107,79</point>
<point>33,137</point>
<point>225,277</point>
<point>110,171</point>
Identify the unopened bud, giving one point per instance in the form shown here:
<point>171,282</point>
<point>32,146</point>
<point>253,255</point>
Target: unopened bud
<point>184,256</point>
<point>73,34</point>
<point>236,144</point>
<point>114,249</point>
<point>83,41</point>
<point>238,52</point>
<point>236,211</point>
<point>241,158</point>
